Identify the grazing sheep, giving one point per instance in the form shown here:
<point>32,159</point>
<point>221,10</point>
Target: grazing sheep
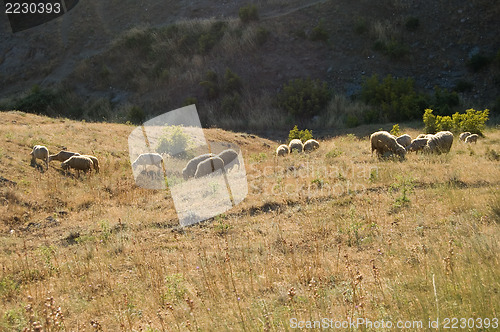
<point>80,163</point>
<point>417,144</point>
<point>95,161</point>
<point>282,150</point>
<point>464,135</point>
<point>310,145</point>
<point>148,159</point>
<point>471,138</point>
<point>209,166</point>
<point>404,140</point>
<point>63,155</point>
<point>230,158</point>
<point>382,142</point>
<point>40,152</point>
<point>439,143</point>
<point>190,170</point>
<point>295,144</point>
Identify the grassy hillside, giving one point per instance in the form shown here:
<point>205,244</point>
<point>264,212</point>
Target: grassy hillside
<point>333,234</point>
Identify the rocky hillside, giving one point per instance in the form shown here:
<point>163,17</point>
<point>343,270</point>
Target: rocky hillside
<point>92,53</point>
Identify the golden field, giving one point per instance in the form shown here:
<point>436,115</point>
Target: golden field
<point>334,234</point>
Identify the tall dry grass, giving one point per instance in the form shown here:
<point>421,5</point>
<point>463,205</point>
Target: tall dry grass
<point>332,234</point>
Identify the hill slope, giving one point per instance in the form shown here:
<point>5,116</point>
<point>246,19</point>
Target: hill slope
<point>332,234</point>
<point>82,52</point>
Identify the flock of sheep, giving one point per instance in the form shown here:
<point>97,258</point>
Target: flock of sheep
<point>297,145</point>
<point>387,144</point>
<point>69,159</point>
<point>198,166</point>
<point>384,143</point>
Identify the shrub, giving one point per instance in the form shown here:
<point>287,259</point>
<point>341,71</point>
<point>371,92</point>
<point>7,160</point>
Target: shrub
<point>248,13</point>
<point>37,101</point>
<point>478,62</point>
<point>395,99</point>
<point>395,130</point>
<point>463,86</point>
<point>303,135</point>
<point>232,82</point>
<point>319,33</point>
<point>211,84</point>
<point>472,120</point>
<point>190,101</point>
<point>304,97</point>
<point>174,141</point>
<point>412,23</point>
<point>261,36</point>
<point>231,104</point>
<point>444,101</point>
<point>209,39</point>
<point>360,26</point>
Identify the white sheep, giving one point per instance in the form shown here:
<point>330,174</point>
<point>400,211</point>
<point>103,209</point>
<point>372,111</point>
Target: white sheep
<point>209,166</point>
<point>40,152</point>
<point>311,145</point>
<point>296,144</point>
<point>95,162</point>
<point>148,159</point>
<point>383,142</point>
<point>464,135</point>
<point>417,144</point>
<point>80,163</point>
<point>404,140</point>
<point>230,158</point>
<point>63,155</point>
<point>282,150</point>
<point>190,170</point>
<point>472,138</point>
<point>441,142</point>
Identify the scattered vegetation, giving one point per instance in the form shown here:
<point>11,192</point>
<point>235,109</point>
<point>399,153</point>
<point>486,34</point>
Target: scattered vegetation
<point>304,98</point>
<point>395,130</point>
<point>319,32</point>
<point>303,135</point>
<point>174,141</point>
<point>472,121</point>
<point>248,13</point>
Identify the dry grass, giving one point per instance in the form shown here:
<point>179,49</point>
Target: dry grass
<point>335,234</point>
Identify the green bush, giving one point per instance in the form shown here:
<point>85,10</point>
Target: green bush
<point>444,101</point>
<point>303,135</point>
<point>395,99</point>
<point>304,97</point>
<point>209,39</point>
<point>319,33</point>
<point>232,82</point>
<point>261,36</point>
<point>174,141</point>
<point>395,130</point>
<point>478,62</point>
<point>412,23</point>
<point>190,101</point>
<point>37,101</point>
<point>472,121</point>
<point>136,115</point>
<point>211,84</point>
<point>231,104</point>
<point>248,13</point>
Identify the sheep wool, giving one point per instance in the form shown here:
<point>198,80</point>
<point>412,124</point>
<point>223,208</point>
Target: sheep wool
<point>311,145</point>
<point>208,166</point>
<point>417,144</point>
<point>63,155</point>
<point>296,145</point>
<point>230,158</point>
<point>95,162</point>
<point>404,140</point>
<point>439,143</point>
<point>383,142</point>
<point>190,170</point>
<point>472,138</point>
<point>40,152</point>
<point>464,135</point>
<point>80,163</point>
<point>148,159</point>
<point>282,150</point>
